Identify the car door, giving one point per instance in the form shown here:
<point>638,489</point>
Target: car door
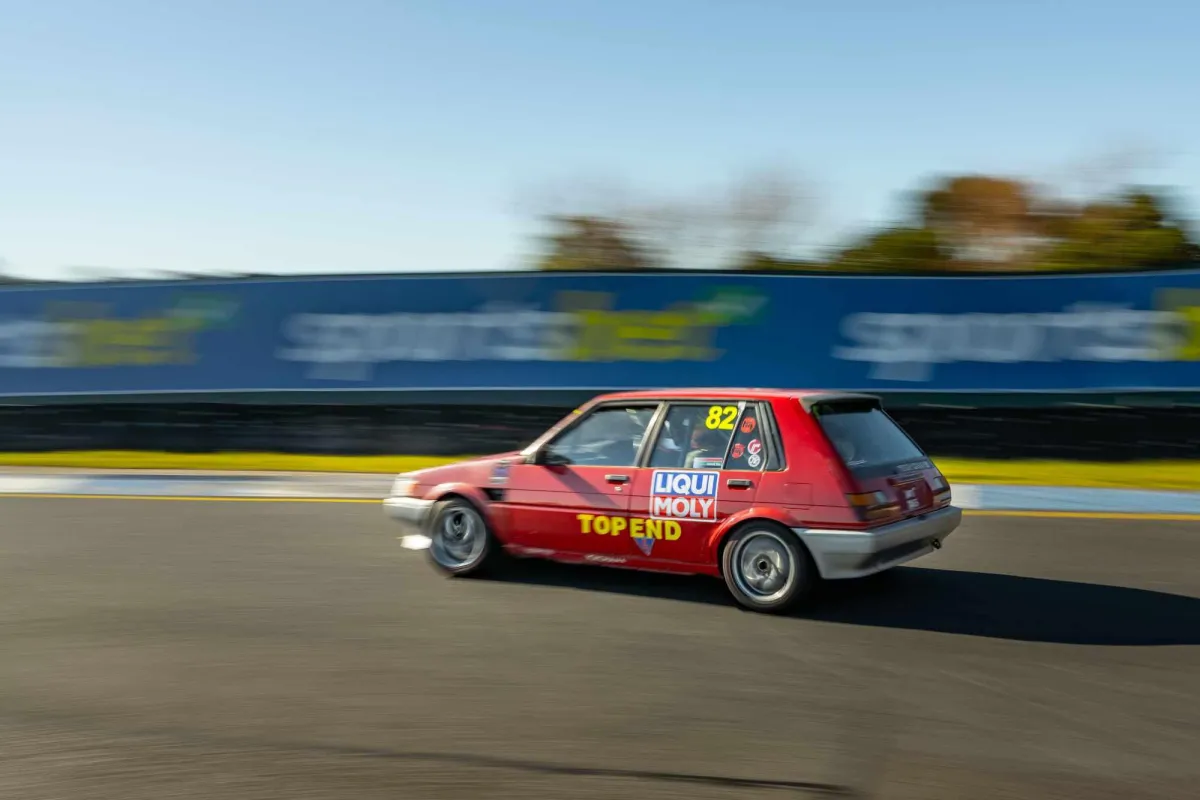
<point>574,495</point>
<point>688,490</point>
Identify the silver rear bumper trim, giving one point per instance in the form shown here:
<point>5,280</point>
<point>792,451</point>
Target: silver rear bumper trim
<point>841,554</point>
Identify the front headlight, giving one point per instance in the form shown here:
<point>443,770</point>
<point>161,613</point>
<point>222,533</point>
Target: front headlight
<point>404,487</point>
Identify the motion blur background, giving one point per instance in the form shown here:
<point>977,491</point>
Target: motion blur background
<point>429,228</point>
<point>599,196</point>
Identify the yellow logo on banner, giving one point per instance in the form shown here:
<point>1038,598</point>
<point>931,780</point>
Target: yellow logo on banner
<point>95,337</point>
<point>683,332</point>
<point>1185,304</point>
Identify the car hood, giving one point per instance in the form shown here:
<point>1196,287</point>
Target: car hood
<point>475,471</point>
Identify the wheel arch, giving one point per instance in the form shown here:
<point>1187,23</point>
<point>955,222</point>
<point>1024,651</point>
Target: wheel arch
<point>467,493</point>
<point>745,520</point>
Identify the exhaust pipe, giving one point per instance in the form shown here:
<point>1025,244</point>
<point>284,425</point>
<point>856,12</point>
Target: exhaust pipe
<point>937,545</point>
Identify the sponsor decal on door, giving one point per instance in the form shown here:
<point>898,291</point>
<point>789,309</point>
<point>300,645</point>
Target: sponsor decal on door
<point>684,494</point>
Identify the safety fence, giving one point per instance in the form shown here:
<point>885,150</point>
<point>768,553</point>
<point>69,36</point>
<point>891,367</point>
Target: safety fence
<point>974,366</point>
<point>1100,434</point>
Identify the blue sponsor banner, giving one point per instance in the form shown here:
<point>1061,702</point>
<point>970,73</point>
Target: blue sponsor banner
<point>420,333</point>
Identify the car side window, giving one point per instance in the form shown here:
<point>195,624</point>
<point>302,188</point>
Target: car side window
<point>694,436</point>
<point>749,450</point>
<point>607,437</point>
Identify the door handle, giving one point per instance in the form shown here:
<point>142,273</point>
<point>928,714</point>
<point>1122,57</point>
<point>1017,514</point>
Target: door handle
<point>617,478</point>
<point>739,483</point>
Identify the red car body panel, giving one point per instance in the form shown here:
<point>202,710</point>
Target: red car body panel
<point>542,506</point>
<point>603,515</point>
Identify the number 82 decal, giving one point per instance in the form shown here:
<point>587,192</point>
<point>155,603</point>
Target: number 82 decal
<point>721,418</point>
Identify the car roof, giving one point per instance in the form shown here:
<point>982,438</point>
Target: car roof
<point>807,397</point>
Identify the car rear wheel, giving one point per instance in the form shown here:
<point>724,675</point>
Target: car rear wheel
<point>460,542</point>
<point>767,569</point>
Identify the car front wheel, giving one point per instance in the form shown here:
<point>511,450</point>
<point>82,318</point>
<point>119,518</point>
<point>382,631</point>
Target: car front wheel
<point>767,569</point>
<point>460,542</point>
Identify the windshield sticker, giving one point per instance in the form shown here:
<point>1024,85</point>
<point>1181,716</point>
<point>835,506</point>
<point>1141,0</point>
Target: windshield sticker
<point>754,448</point>
<point>708,463</point>
<point>754,461</point>
<point>748,425</point>
<point>737,452</point>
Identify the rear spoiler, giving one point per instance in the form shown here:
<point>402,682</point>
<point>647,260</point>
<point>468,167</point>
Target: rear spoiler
<point>812,403</point>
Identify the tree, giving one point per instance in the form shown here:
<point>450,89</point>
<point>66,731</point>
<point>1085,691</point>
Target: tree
<point>1131,232</point>
<point>979,218</point>
<point>978,222</point>
<point>762,213</point>
<point>762,262</point>
<point>960,223</point>
<point>766,212</point>
<point>895,250</point>
<point>583,243</point>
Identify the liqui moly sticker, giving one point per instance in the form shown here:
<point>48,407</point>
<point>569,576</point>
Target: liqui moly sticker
<point>684,494</point>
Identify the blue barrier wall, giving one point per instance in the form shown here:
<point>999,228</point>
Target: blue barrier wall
<point>1138,332</point>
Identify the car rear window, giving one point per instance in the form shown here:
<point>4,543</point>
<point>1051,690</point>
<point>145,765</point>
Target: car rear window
<point>866,437</point>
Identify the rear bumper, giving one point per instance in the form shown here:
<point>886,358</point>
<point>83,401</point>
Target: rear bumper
<point>410,512</point>
<point>843,554</point>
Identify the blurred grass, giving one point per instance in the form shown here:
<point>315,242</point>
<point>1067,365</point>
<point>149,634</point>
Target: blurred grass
<point>1182,475</point>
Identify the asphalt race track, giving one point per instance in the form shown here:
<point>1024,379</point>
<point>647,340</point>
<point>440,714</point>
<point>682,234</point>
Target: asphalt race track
<point>167,649</point>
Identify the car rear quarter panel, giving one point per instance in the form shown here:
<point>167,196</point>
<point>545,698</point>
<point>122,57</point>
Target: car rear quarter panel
<point>813,487</point>
<point>809,492</point>
<point>775,513</point>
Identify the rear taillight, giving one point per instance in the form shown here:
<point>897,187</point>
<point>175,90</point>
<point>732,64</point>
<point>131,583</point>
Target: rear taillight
<point>873,506</point>
<point>941,490</point>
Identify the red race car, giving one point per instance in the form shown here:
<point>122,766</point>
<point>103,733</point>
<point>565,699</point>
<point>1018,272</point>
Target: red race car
<point>770,490</point>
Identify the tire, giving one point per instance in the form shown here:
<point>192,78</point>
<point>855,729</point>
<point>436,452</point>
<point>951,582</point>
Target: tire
<point>460,541</point>
<point>767,569</point>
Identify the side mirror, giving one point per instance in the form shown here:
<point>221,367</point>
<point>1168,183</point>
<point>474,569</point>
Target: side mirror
<point>545,457</point>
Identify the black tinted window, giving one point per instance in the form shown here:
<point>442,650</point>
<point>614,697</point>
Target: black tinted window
<point>867,438</point>
<point>749,450</point>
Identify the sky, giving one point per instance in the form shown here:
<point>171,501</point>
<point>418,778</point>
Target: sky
<point>333,136</point>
